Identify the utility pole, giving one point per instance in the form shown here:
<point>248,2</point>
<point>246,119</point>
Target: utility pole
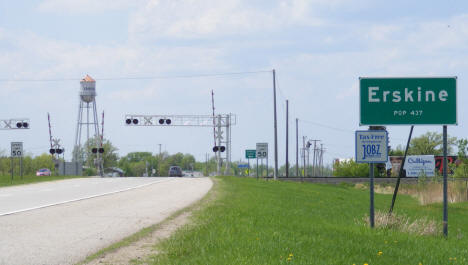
<point>275,173</point>
<point>297,148</point>
<point>304,156</point>
<point>321,160</point>
<point>314,161</point>
<point>160,161</point>
<point>206,164</point>
<point>287,138</point>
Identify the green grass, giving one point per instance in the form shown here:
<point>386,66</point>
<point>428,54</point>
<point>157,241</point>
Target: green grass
<point>6,180</point>
<point>264,222</point>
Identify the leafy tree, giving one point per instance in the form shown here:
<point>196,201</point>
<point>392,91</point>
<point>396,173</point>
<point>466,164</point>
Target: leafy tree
<point>43,161</point>
<point>398,151</point>
<point>462,148</point>
<point>137,156</point>
<point>430,143</point>
<point>188,162</point>
<point>461,169</point>
<point>110,156</point>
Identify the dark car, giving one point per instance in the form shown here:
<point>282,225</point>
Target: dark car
<point>175,171</point>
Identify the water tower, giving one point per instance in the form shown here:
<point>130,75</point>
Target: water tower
<point>86,108</point>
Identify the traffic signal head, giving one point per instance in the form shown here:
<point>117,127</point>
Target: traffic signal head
<point>25,125</point>
<point>59,151</point>
<point>219,148</point>
<point>128,121</point>
<point>161,121</point>
<point>168,121</point>
<point>135,121</point>
<point>101,150</point>
<point>52,151</point>
<point>19,124</point>
<point>94,150</point>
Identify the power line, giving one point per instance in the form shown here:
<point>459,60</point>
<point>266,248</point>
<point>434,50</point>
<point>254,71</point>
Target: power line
<point>327,126</point>
<point>139,78</point>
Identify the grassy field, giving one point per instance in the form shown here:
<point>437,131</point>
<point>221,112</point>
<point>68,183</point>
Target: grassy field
<point>6,180</point>
<point>269,222</point>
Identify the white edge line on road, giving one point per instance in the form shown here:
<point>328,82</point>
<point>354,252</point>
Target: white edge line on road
<point>84,198</point>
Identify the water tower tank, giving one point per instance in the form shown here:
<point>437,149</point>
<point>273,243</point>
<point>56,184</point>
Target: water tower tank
<point>88,89</point>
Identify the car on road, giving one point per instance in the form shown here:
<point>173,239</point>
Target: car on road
<point>43,172</point>
<point>175,171</point>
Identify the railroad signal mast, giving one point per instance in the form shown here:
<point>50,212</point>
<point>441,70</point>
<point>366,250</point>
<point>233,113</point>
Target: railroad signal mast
<point>221,122</point>
<point>14,124</point>
<point>55,147</point>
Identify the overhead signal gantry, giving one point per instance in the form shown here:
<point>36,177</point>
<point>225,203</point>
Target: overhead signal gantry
<point>221,122</point>
<point>13,124</point>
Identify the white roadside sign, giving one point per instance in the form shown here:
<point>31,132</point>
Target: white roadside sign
<point>262,150</point>
<point>420,165</point>
<point>371,146</point>
<point>16,149</point>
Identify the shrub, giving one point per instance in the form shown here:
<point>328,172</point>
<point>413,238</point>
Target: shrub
<point>350,169</point>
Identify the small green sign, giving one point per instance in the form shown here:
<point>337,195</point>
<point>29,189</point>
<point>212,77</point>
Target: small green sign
<point>250,154</point>
<point>412,101</point>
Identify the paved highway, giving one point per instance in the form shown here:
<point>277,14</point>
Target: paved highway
<point>62,222</point>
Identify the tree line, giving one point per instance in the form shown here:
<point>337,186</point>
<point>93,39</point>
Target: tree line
<point>430,143</point>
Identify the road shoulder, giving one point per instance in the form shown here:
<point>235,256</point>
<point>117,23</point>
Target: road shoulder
<point>141,245</point>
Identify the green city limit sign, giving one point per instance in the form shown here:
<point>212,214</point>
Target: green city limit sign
<point>400,101</point>
<point>250,154</point>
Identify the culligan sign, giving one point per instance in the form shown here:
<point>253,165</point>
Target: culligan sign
<point>420,165</point>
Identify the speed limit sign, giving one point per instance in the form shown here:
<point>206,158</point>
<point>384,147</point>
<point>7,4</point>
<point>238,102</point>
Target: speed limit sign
<point>262,150</point>
<point>16,149</point>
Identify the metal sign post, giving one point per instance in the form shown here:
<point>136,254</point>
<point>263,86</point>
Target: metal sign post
<point>445,218</point>
<point>17,151</point>
<point>262,153</point>
<point>371,190</point>
<point>371,147</point>
<point>250,153</point>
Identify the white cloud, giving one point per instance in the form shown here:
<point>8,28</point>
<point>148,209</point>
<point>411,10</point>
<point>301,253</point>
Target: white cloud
<point>84,6</point>
<point>212,18</point>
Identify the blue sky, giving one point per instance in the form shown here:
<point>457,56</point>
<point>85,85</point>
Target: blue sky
<point>319,48</point>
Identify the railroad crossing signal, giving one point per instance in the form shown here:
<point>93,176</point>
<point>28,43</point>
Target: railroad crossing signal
<point>219,148</point>
<point>56,151</point>
<point>56,147</point>
<point>12,124</point>
<point>95,150</point>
